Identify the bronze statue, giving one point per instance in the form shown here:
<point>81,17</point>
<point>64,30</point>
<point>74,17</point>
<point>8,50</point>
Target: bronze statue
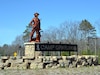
<point>35,23</point>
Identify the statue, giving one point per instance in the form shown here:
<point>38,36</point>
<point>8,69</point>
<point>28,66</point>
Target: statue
<point>35,23</point>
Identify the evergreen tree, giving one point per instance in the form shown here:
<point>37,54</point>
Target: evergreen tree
<point>86,28</point>
<point>26,35</point>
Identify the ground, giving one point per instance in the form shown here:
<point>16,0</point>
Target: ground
<point>60,71</point>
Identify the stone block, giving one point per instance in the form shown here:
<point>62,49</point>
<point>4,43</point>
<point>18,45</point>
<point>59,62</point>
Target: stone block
<point>39,60</point>
<point>5,57</point>
<point>84,63</point>
<point>19,61</point>
<point>66,62</point>
<point>62,64</point>
<point>30,49</point>
<point>1,65</point>
<point>22,66</point>
<point>44,59</point>
<point>37,54</point>
<point>86,56</point>
<point>40,65</point>
<point>51,59</point>
<point>40,57</point>
<point>49,65</point>
<point>28,57</point>
<point>33,65</point>
<point>47,58</point>
<point>1,61</point>
<point>58,65</point>
<point>54,67</point>
<point>64,57</point>
<point>54,58</point>
<point>13,64</point>
<point>10,61</point>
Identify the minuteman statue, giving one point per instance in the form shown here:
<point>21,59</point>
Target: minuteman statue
<point>35,23</point>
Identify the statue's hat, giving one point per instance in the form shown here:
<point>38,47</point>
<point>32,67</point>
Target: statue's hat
<point>36,13</point>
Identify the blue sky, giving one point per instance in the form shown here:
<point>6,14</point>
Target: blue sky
<point>16,14</point>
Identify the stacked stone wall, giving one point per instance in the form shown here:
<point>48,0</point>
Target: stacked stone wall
<point>43,62</point>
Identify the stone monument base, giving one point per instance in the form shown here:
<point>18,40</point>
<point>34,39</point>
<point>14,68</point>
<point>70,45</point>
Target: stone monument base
<point>30,52</point>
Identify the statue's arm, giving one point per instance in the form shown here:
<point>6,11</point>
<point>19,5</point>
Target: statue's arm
<point>31,22</point>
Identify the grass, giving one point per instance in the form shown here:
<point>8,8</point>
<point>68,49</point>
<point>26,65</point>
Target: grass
<point>94,70</point>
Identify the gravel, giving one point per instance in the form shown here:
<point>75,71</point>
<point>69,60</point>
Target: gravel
<point>94,70</point>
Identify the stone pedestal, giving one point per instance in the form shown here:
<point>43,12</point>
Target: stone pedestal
<point>29,50</point>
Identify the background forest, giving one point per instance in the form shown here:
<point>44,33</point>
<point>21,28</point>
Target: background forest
<point>83,33</point>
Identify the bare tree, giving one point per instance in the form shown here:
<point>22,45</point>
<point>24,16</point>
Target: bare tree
<point>50,35</point>
<point>18,40</point>
<point>66,32</point>
<point>18,45</point>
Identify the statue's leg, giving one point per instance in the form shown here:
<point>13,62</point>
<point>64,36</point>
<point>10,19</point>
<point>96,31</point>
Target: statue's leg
<point>31,34</point>
<point>37,36</point>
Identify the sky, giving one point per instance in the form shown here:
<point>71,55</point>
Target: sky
<point>15,15</point>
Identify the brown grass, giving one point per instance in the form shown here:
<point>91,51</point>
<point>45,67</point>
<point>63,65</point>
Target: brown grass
<point>60,71</point>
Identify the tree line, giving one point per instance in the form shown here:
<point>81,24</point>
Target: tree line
<point>83,33</point>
